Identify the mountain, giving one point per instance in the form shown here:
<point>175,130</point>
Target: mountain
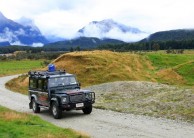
<point>172,35</point>
<point>110,29</point>
<point>82,42</point>
<point>4,43</point>
<point>19,34</point>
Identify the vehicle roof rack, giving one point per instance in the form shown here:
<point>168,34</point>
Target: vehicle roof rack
<point>45,73</point>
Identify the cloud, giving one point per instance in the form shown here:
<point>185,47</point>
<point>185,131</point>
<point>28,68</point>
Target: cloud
<point>17,43</point>
<point>62,18</point>
<point>9,35</point>
<point>37,44</point>
<point>19,32</point>
<point>2,39</point>
<point>127,37</point>
<point>93,30</point>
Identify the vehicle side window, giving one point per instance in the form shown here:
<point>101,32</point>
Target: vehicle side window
<point>33,83</point>
<point>45,83</point>
<point>40,84</point>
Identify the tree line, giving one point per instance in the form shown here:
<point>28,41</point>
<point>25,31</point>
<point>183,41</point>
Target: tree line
<point>138,46</point>
<point>153,45</point>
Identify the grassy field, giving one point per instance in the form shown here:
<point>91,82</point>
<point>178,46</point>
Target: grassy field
<point>17,67</point>
<point>21,125</point>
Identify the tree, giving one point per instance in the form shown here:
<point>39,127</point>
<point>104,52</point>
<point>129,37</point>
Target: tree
<point>71,49</point>
<point>156,46</point>
<point>77,48</point>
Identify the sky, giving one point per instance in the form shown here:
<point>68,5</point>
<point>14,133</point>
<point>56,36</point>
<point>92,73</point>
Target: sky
<point>63,18</point>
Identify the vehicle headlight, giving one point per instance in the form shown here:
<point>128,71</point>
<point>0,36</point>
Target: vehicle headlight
<point>89,96</point>
<point>64,100</point>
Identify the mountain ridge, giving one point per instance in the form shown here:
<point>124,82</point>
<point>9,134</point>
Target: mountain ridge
<point>171,35</point>
<point>83,43</point>
<point>15,33</point>
<point>108,28</point>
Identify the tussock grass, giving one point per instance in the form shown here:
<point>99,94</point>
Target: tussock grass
<point>97,67</point>
<point>22,125</point>
<point>19,84</point>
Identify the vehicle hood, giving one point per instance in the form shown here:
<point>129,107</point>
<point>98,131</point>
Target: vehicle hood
<point>76,91</point>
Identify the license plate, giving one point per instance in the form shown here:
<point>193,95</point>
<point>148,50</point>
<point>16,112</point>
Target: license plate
<point>79,105</point>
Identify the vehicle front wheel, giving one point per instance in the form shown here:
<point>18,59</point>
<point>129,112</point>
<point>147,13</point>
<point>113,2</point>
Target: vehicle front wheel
<point>56,111</point>
<point>35,107</point>
<point>87,109</point>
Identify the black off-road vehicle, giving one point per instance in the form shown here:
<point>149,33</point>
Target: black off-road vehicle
<point>58,91</point>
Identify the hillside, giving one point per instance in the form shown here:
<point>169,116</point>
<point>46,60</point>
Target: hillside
<point>15,33</point>
<point>104,66</point>
<point>82,42</point>
<point>172,35</point>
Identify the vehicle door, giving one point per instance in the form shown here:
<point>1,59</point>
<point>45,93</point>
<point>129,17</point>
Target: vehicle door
<point>43,92</point>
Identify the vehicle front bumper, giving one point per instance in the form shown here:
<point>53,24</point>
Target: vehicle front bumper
<point>71,106</point>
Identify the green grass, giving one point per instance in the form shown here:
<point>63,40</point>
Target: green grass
<point>16,67</point>
<point>162,61</point>
<point>187,71</point>
<point>21,125</point>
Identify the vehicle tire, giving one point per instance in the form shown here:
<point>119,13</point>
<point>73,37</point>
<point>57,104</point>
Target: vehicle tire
<point>56,111</point>
<point>35,106</point>
<point>87,109</point>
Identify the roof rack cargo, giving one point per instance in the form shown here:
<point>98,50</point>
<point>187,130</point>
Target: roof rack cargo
<point>51,71</point>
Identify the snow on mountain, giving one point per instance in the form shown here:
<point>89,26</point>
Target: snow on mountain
<point>110,29</point>
<point>19,34</point>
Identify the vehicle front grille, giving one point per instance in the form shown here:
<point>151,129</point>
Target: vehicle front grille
<point>77,98</point>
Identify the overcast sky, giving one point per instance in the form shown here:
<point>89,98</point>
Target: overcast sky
<point>64,17</point>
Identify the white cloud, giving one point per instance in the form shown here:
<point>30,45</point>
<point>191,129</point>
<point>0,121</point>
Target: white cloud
<point>127,37</point>
<point>17,43</point>
<point>93,30</point>
<point>9,35</point>
<point>37,44</point>
<point>2,39</point>
<point>20,32</point>
<point>63,18</point>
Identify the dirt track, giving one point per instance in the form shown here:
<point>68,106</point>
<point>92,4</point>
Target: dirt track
<point>101,123</point>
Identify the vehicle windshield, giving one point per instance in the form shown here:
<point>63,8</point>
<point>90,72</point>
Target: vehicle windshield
<point>62,81</point>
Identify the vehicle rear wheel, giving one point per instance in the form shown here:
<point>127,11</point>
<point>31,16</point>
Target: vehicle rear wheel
<point>35,107</point>
<point>87,109</point>
<point>56,111</point>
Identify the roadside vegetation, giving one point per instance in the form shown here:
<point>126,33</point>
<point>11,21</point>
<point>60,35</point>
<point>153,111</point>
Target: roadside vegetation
<point>97,67</point>
<point>16,125</point>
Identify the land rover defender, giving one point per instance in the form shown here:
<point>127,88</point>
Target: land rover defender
<point>58,91</point>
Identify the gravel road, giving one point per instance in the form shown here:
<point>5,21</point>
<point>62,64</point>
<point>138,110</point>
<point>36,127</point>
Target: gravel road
<point>102,123</point>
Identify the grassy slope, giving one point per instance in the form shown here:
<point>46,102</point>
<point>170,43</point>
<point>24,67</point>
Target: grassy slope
<point>173,68</point>
<point>97,67</point>
<point>16,67</point>
<point>19,125</point>
<point>104,66</point>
